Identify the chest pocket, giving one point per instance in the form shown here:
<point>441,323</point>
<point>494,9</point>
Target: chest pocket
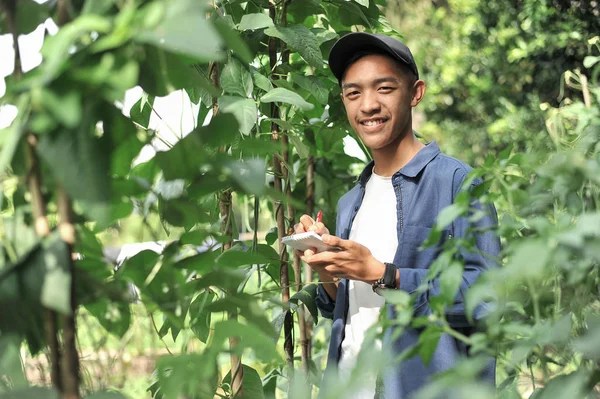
<point>412,240</point>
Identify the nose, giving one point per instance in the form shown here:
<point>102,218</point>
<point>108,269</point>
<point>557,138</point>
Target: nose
<point>369,103</point>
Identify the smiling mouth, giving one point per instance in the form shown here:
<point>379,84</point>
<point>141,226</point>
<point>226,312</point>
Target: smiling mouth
<point>373,122</point>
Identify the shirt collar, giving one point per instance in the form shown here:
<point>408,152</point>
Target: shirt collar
<point>412,168</point>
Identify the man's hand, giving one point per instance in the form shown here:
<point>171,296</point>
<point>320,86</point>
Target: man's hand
<point>309,224</point>
<point>354,261</point>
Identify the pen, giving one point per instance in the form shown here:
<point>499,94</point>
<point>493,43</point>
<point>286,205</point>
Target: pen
<point>319,216</point>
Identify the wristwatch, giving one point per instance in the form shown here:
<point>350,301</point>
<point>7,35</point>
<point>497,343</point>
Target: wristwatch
<point>388,280</point>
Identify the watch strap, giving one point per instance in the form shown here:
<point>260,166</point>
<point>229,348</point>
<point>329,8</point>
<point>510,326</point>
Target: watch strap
<point>388,280</point>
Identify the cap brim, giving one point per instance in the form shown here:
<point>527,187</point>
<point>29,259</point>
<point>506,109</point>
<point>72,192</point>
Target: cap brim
<point>355,42</point>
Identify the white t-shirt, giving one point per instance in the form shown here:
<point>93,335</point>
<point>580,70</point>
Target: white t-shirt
<point>374,227</point>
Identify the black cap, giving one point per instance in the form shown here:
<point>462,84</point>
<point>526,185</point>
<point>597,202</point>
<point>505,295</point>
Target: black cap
<point>345,48</point>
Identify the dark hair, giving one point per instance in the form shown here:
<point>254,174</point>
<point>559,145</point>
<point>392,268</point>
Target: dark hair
<point>360,54</point>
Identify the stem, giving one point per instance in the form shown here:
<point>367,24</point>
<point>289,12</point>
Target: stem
<point>38,205</point>
<point>308,272</point>
<point>157,332</point>
<point>288,324</point>
<point>237,371</point>
<point>70,361</point>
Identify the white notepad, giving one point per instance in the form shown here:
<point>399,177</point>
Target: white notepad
<point>309,240</point>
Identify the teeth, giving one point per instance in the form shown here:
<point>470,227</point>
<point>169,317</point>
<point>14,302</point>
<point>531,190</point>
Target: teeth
<point>373,123</point>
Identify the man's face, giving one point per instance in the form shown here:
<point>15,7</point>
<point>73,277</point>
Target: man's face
<point>378,97</point>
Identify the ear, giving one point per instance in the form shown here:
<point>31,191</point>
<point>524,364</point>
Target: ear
<point>418,91</point>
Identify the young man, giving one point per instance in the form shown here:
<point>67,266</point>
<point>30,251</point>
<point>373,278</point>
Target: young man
<point>383,221</point>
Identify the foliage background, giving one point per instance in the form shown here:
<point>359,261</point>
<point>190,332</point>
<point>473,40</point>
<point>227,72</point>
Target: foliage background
<point>512,89</point>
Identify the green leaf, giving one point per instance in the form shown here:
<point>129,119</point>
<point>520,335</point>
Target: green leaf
<point>185,30</point>
<point>64,106</point>
<point>252,387</point>
<point>250,337</point>
<point>572,385</point>
<point>450,280</point>
<point>106,395</point>
<point>56,287</point>
<point>29,16</point>
<point>199,317</point>
<point>11,367</point>
<point>141,111</point>
<point>313,85</point>
<point>11,136</point>
<point>448,214</point>
<point>250,175</point>
<point>235,257</point>
<point>530,258</point>
<point>364,3</point>
<point>300,39</point>
<point>271,236</point>
<point>261,81</point>
<point>589,344</point>
<point>199,263</point>
<point>31,393</point>
<point>57,49</point>
<point>307,296</point>
<point>187,375</point>
<point>244,110</point>
<point>164,72</point>
<point>277,324</point>
<point>115,317</point>
<point>428,341</point>
<point>235,79</point>
<point>233,41</point>
<point>255,21</point>
<point>280,94</point>
<point>186,157</point>
<point>301,148</point>
<point>88,182</point>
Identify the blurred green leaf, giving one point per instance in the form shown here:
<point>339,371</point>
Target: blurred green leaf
<point>185,30</point>
<point>250,175</point>
<point>11,136</point>
<point>11,367</point>
<point>255,21</point>
<point>115,317</point>
<point>428,341</point>
<point>199,317</point>
<point>89,182</point>
<point>106,395</point>
<point>31,393</point>
<point>235,257</point>
<point>250,337</point>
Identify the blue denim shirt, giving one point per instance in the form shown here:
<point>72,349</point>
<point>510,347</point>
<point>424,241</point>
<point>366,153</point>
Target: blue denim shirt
<point>426,185</point>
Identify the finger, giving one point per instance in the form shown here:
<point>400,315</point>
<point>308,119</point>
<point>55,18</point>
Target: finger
<point>309,252</point>
<point>319,228</point>
<point>306,221</point>
<point>336,241</point>
<point>299,228</point>
<point>321,258</point>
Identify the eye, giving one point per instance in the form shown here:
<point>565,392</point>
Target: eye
<point>352,93</point>
<point>386,89</point>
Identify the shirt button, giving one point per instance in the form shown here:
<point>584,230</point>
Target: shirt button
<point>355,208</point>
